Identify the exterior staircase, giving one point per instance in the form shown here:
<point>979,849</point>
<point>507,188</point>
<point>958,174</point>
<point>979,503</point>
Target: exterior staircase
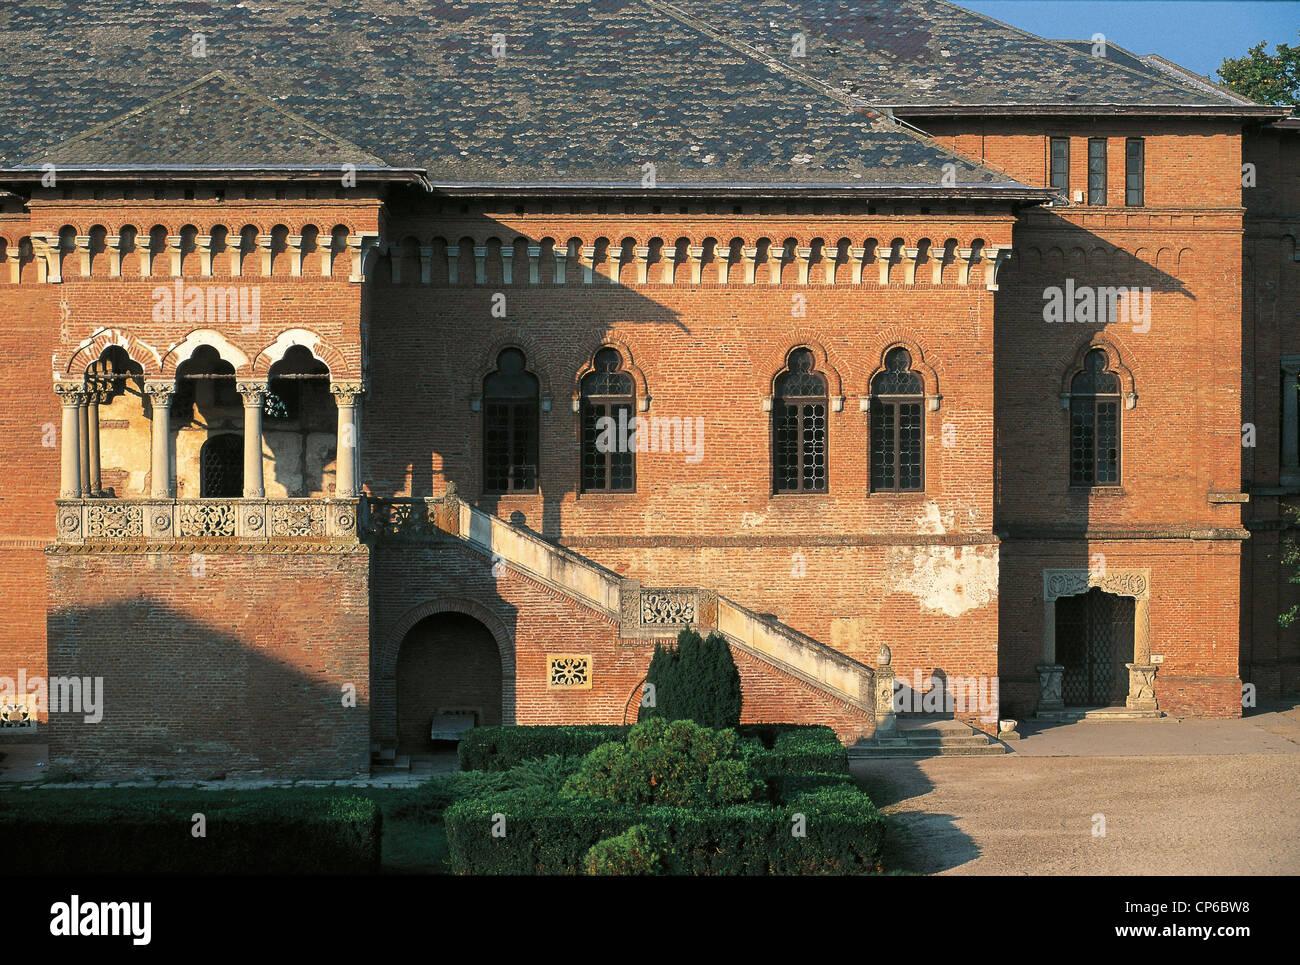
<point>928,737</point>
<point>641,612</point>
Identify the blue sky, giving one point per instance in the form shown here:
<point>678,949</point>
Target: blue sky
<point>1197,34</point>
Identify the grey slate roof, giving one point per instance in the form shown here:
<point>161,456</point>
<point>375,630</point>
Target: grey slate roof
<point>913,53</point>
<point>206,123</point>
<point>586,91</point>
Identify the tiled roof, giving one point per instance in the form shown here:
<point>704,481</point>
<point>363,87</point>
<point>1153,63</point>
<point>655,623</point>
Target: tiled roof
<point>212,122</point>
<point>908,53</point>
<point>583,92</point>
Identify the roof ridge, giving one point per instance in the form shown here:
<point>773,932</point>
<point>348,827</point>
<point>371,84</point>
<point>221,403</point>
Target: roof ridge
<point>210,76</point>
<point>837,94</point>
<point>1189,75</point>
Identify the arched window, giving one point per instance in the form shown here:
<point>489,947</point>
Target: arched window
<point>897,426</point>
<point>799,427</point>
<point>221,467</point>
<point>510,426</point>
<point>1094,424</point>
<point>608,426</point>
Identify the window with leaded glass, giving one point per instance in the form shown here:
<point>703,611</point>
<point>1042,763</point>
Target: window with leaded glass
<point>608,413</point>
<point>1097,170</point>
<point>1060,169</point>
<point>510,426</point>
<point>897,426</point>
<point>1135,172</point>
<point>799,410</point>
<point>1094,424</point>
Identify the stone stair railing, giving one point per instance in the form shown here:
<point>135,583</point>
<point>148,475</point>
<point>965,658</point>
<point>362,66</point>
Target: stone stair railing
<point>646,612</point>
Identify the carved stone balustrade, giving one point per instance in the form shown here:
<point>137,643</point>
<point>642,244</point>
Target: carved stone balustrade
<point>97,522</point>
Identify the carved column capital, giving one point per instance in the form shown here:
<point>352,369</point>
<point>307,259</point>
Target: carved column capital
<point>71,393</point>
<point>160,393</point>
<point>252,391</point>
<point>347,392</point>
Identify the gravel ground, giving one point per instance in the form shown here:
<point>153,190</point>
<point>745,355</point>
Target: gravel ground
<point>1177,798</point>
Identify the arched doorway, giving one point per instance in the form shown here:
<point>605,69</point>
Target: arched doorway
<point>448,663</point>
<point>1094,644</point>
<point>221,467</point>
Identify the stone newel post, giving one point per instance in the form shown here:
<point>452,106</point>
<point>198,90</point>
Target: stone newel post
<point>254,394</point>
<point>886,721</point>
<point>160,398</point>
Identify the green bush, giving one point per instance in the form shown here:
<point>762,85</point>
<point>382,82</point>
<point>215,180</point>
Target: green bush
<point>631,853</point>
<point>782,748</point>
<point>678,763</point>
<point>266,833</point>
<point>696,680</point>
<point>501,748</point>
<point>548,835</point>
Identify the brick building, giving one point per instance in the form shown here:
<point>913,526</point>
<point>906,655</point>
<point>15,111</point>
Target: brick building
<point>439,358</point>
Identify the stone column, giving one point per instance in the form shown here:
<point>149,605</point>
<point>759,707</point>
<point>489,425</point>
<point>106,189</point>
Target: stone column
<point>587,259</point>
<point>295,254</point>
<point>1000,257</point>
<point>909,268</point>
<point>775,256</point>
<point>883,259</point>
<point>394,253</point>
<point>695,253</point>
<point>346,450</point>
<point>507,264</point>
<point>1049,688</point>
<point>264,243</point>
<point>967,255</point>
<point>724,263</point>
<point>204,244</point>
<point>534,273</point>
<point>83,255</point>
<point>857,258</point>
<point>670,263</point>
<point>805,263</point>
<point>561,261</point>
<point>160,397</point>
<point>751,264</point>
<point>71,397</point>
<point>92,440</point>
<point>174,248</point>
<point>642,264</point>
<point>254,394</point>
<point>480,264</point>
<point>83,443</point>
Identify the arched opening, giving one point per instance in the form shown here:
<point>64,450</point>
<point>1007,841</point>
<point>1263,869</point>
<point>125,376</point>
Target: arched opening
<point>206,406</point>
<point>221,467</point>
<point>1094,642</point>
<point>300,425</point>
<point>448,671</point>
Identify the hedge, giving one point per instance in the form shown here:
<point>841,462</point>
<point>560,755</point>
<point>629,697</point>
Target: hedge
<point>545,834</point>
<point>501,748</point>
<point>52,832</point>
<point>789,747</point>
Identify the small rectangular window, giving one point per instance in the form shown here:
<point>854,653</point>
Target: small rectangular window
<point>1097,171</point>
<point>1135,172</point>
<point>1061,165</point>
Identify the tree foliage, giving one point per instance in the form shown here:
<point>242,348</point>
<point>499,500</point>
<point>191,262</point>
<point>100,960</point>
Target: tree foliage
<point>1263,77</point>
<point>696,680</point>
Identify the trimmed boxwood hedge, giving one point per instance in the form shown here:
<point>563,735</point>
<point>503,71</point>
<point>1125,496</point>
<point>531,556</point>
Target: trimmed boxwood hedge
<point>545,834</point>
<point>501,748</point>
<point>788,748</point>
<point>50,832</point>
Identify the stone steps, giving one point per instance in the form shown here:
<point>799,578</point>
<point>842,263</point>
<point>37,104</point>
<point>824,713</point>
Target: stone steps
<point>934,737</point>
<point>386,760</point>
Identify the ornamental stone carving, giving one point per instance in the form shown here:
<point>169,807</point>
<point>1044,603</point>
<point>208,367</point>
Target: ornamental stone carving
<point>114,521</point>
<point>298,519</point>
<point>668,607</point>
<point>208,519</point>
<point>1059,583</point>
<point>347,393</point>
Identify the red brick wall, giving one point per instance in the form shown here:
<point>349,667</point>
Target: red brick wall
<point>240,671</point>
